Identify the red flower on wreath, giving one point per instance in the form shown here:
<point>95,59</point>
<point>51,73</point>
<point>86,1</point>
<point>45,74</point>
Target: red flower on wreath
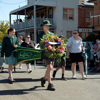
<point>63,48</point>
<point>60,47</point>
<point>49,44</point>
<point>46,41</point>
<point>56,40</point>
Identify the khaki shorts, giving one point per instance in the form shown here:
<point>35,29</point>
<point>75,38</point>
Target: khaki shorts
<point>62,63</point>
<point>49,61</point>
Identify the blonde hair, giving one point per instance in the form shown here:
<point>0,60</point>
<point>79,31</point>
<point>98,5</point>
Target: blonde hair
<point>21,37</point>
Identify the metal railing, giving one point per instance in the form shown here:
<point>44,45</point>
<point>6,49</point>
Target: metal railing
<point>30,23</point>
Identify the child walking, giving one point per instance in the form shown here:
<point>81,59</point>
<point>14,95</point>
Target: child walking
<point>62,64</point>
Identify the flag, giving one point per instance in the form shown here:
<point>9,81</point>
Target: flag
<point>27,54</point>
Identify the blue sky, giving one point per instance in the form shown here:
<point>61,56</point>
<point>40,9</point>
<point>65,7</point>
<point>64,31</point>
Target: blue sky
<point>8,5</point>
<point>11,5</point>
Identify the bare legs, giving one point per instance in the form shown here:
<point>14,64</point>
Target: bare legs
<point>29,66</point>
<point>80,67</point>
<point>10,71</point>
<point>20,65</point>
<point>48,72</point>
<point>63,69</point>
<point>73,68</point>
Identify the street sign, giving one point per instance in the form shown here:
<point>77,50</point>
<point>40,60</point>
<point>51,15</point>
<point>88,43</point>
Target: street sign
<point>85,29</point>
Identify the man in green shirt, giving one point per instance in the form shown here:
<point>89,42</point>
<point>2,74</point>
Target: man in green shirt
<point>49,62</point>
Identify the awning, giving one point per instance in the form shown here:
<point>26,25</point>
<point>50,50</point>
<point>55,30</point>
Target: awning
<point>38,3</point>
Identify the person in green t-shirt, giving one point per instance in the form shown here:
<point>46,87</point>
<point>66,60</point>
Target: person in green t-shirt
<point>49,62</point>
<point>87,49</point>
<point>61,64</point>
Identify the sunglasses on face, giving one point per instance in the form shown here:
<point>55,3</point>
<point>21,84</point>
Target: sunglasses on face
<point>74,33</point>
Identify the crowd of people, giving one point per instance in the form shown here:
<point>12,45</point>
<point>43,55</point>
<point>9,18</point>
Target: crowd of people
<point>74,52</point>
<point>96,52</point>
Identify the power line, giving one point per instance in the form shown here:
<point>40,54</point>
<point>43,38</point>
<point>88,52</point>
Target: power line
<point>12,3</point>
<point>3,12</point>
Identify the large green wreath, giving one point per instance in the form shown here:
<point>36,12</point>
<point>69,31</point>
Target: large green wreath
<point>52,46</point>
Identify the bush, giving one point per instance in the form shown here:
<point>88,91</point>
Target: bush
<point>66,40</point>
<point>92,37</point>
<point>4,25</point>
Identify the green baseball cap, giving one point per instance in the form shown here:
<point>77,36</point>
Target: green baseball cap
<point>46,22</point>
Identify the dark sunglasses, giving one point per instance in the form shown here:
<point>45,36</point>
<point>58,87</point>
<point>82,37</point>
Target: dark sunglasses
<point>75,33</point>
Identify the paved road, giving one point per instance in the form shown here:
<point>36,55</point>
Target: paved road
<point>27,86</point>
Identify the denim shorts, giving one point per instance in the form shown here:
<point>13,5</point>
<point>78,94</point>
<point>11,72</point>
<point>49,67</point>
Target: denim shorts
<point>88,56</point>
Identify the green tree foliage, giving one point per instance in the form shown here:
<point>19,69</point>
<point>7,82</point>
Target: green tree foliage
<point>92,37</point>
<point>1,36</point>
<point>66,40</point>
<point>4,25</point>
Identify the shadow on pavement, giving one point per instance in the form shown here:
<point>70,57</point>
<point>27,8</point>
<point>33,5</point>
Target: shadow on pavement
<point>59,79</point>
<point>15,71</point>
<point>19,91</point>
<point>21,80</point>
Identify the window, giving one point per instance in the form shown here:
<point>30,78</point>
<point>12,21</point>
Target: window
<point>69,34</point>
<point>65,14</point>
<point>68,14</point>
<point>92,14</point>
<point>51,13</point>
<point>88,16</point>
<point>41,14</point>
<point>83,35</point>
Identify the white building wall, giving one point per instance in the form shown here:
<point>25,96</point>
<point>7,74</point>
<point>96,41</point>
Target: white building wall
<point>66,25</point>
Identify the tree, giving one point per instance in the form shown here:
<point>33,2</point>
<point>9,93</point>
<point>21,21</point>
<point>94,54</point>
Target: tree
<point>92,37</point>
<point>1,36</point>
<point>4,25</point>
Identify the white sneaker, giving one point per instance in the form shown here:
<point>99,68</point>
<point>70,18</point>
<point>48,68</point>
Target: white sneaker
<point>20,67</point>
<point>12,80</point>
<point>73,77</point>
<point>84,77</point>
<point>29,71</point>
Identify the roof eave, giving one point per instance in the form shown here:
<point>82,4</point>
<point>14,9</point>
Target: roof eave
<point>51,4</point>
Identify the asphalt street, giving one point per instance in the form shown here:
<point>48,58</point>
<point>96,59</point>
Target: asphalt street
<point>28,86</point>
